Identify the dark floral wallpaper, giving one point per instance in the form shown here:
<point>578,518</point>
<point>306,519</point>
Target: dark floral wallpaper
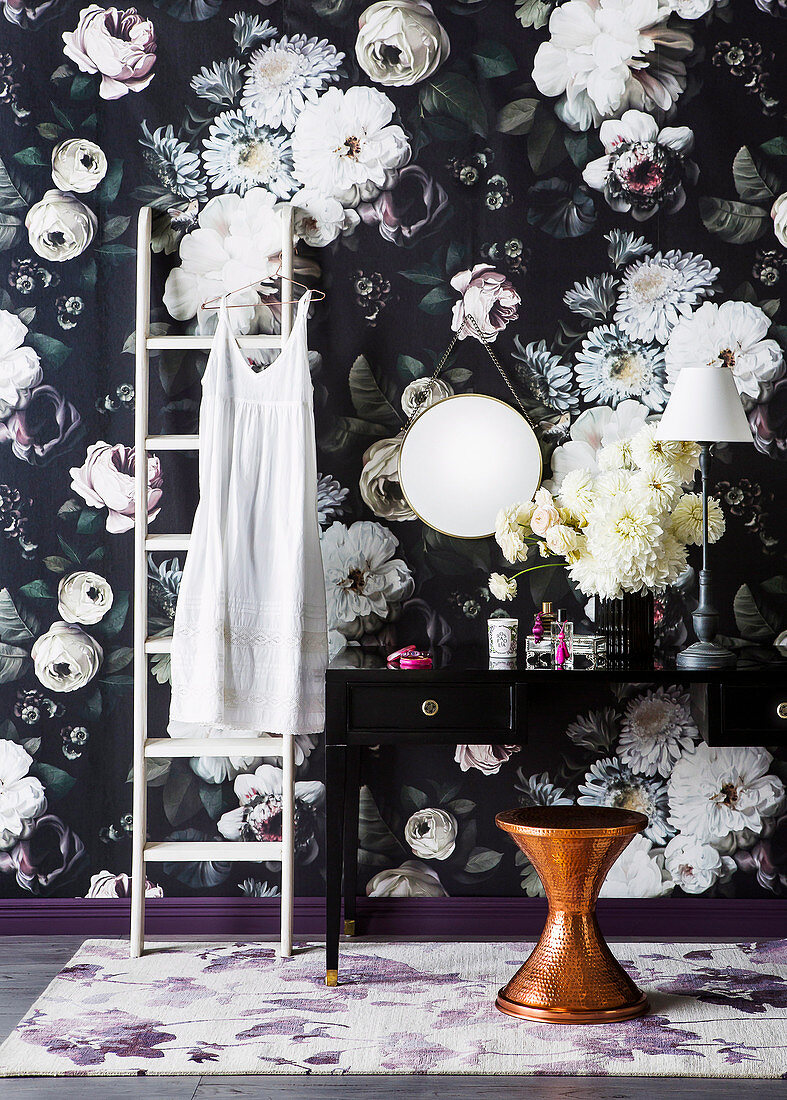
<point>601,185</point>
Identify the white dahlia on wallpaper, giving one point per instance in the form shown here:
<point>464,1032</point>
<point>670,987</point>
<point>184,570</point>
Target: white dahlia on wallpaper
<point>610,782</point>
<point>655,292</point>
<point>604,56</point>
<point>611,367</point>
<point>638,872</point>
<point>656,729</point>
<point>593,429</point>
<point>695,866</point>
<point>724,796</point>
<point>239,154</point>
<point>284,76</point>
<point>364,582</point>
<point>734,335</point>
<point>345,145</point>
<point>320,219</point>
<point>643,168</point>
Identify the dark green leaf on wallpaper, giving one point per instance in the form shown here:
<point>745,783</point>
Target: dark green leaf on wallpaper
<point>95,557</point>
<point>493,59</point>
<point>156,772</point>
<point>13,629</point>
<point>559,208</point>
<point>534,13</point>
<point>770,306</point>
<point>413,799</point>
<point>83,87</point>
<point>52,351</point>
<point>457,376</point>
<point>214,799</point>
<point>69,551</point>
<point>8,731</point>
<point>443,128</point>
<point>454,95</point>
<point>757,617</point>
<point>91,122</point>
<point>754,180</point>
<point>90,521</point>
<point>15,194</point>
<point>32,745</point>
<point>776,147</point>
<point>425,274</point>
<point>545,145</point>
<point>70,507</point>
<point>107,190</point>
<point>582,148</point>
<point>438,300</point>
<point>734,222</point>
<point>368,398</point>
<point>374,836</point>
<point>113,621</point>
<point>27,315</point>
<point>32,157</point>
<point>475,551</point>
<point>11,231</point>
<point>57,782</point>
<point>516,118</point>
<point>62,74</point>
<point>116,659</point>
<point>39,590</point>
<point>115,227</point>
<point>14,663</point>
<point>461,806</point>
<point>49,131</point>
<point>349,431</point>
<point>410,368</point>
<point>89,273</point>
<point>61,116</point>
<point>91,706</point>
<point>455,257</point>
<point>198,876</point>
<point>181,795</point>
<point>115,253</point>
<point>482,860</point>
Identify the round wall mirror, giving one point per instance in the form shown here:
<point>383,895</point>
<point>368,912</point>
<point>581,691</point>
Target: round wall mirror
<point>465,458</point>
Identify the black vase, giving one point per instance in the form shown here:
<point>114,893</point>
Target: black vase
<point>627,624</point>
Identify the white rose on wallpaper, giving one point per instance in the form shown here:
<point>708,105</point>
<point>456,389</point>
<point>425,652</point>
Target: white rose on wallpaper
<point>489,302</point>
<point>285,75</point>
<point>117,43</point>
<point>638,872</point>
<point>779,215</point>
<point>431,833</point>
<point>604,56</point>
<point>411,880</point>
<point>66,658</point>
<point>83,597</point>
<point>487,759</point>
<point>502,587</point>
<point>106,885</point>
<point>724,796</point>
<point>345,145</point>
<point>695,866</point>
<point>78,165</point>
<point>237,241</point>
<point>60,226</point>
<point>379,482</point>
<point>20,367</point>
<point>421,393</point>
<point>22,796</point>
<point>364,583</point>
<point>106,480</point>
<point>734,335</point>
<point>400,42</point>
<point>320,219</point>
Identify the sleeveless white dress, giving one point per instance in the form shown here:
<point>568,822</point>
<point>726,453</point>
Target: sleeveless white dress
<point>249,646</point>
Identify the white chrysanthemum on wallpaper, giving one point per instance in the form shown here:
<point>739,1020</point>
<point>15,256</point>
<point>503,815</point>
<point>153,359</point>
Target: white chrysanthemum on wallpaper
<point>657,291</point>
<point>345,145</point>
<point>239,154</point>
<point>172,162</point>
<point>364,582</point>
<point>724,796</point>
<point>284,76</point>
<point>609,782</point>
<point>539,790</point>
<point>656,729</point>
<point>611,367</point>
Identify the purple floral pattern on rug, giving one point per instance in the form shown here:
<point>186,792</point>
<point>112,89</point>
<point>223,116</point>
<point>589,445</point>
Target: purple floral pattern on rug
<point>715,1011</point>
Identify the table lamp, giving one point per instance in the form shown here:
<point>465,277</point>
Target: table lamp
<point>705,408</point>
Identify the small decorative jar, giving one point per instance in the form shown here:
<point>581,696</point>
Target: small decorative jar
<point>538,652</point>
<point>590,651</point>
<point>503,637</point>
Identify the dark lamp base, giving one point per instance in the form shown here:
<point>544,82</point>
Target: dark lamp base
<point>706,655</point>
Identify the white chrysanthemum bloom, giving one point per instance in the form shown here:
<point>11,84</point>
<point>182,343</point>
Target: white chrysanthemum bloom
<point>611,367</point>
<point>686,520</point>
<point>734,335</point>
<point>657,291</point>
<point>666,566</point>
<point>344,145</point>
<point>659,483</point>
<point>606,55</point>
<point>724,796</point>
<point>509,534</point>
<point>615,456</point>
<point>611,483</point>
<point>638,872</point>
<point>646,449</point>
<point>626,532</point>
<point>502,587</point>
<point>696,867</point>
<point>596,576</point>
<point>596,730</point>
<point>364,583</point>
<point>239,154</point>
<point>609,782</point>
<point>577,494</point>
<point>656,730</point>
<point>284,76</point>
<point>320,219</point>
<point>593,429</point>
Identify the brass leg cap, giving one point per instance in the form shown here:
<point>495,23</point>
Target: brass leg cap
<point>331,977</point>
<point>349,927</point>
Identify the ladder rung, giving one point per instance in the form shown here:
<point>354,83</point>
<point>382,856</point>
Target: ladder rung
<point>236,851</point>
<point>206,342</point>
<point>172,443</point>
<point>158,645</point>
<point>167,542</point>
<point>161,748</point>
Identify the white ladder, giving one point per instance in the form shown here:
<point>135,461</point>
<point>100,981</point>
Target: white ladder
<point>145,747</point>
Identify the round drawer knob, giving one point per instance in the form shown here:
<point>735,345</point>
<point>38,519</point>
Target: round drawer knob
<point>781,710</point>
<point>429,707</point>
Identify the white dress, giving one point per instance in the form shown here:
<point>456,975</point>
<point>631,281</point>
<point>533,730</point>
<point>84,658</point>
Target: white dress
<point>250,640</point>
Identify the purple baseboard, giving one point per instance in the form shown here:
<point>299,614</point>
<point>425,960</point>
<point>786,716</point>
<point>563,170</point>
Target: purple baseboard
<point>515,918</point>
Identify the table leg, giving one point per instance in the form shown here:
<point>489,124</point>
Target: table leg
<point>351,805</point>
<point>335,774</point>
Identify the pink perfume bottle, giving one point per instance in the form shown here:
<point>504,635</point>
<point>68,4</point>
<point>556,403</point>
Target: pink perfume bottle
<point>562,642</point>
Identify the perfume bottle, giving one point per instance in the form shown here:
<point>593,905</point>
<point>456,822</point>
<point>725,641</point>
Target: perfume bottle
<point>538,644</point>
<point>562,642</point>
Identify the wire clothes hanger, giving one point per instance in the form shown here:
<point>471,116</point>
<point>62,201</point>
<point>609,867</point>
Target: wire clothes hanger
<point>209,302</point>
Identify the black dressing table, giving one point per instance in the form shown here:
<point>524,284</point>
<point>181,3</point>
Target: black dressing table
<point>462,701</point>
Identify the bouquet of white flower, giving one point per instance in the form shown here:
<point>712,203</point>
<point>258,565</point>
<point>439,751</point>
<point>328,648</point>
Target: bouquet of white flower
<point>622,528</point>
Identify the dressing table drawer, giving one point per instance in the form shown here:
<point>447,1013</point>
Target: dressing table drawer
<point>485,710</point>
<point>750,714</point>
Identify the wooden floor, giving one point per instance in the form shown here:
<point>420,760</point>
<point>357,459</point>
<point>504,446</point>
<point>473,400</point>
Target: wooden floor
<point>28,964</point>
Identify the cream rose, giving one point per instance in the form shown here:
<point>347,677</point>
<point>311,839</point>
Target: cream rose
<point>411,880</point>
<point>66,658</point>
<point>106,885</point>
<point>779,215</point>
<point>545,514</point>
<point>501,587</point>
<point>423,392</point>
<point>60,227</point>
<point>106,480</point>
<point>379,482</point>
<point>487,759</point>
<point>119,44</point>
<point>489,302</point>
<point>431,833</point>
<point>400,42</point>
<point>78,165</point>
<point>83,597</point>
<point>563,540</point>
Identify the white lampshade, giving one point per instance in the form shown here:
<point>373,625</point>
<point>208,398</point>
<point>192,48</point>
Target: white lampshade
<point>704,407</point>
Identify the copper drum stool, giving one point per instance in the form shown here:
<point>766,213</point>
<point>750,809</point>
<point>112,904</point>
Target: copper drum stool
<point>571,975</point>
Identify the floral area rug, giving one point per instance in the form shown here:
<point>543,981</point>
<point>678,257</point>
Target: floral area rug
<point>235,1008</point>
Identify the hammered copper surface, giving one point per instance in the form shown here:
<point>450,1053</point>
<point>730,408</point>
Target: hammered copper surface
<point>571,975</point>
